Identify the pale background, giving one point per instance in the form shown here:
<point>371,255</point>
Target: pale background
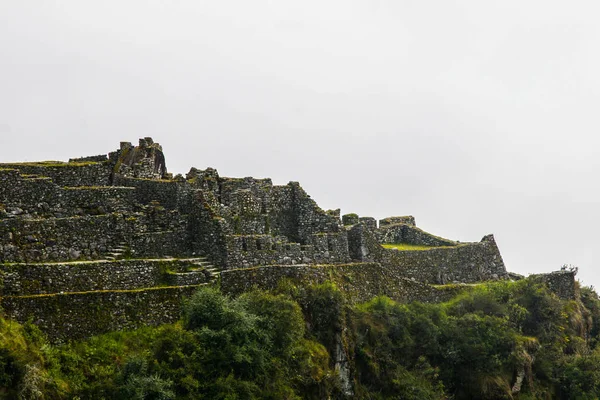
<point>474,116</point>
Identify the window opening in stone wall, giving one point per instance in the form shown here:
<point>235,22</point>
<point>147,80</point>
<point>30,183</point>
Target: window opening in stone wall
<point>258,245</point>
<point>244,245</point>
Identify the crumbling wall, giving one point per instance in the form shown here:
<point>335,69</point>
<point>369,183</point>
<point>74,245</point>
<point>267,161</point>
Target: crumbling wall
<point>245,251</point>
<point>207,179</point>
<point>410,234</point>
<point>311,218</point>
<point>146,160</point>
<point>404,220</point>
<point>560,282</point>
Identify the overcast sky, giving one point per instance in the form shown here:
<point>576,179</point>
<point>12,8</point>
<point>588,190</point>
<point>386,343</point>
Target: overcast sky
<point>474,116</point>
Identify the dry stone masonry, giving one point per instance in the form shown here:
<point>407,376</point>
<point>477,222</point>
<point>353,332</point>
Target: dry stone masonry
<point>114,241</point>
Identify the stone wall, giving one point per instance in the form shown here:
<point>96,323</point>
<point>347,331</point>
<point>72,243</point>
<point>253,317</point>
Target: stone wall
<point>283,218</point>
<point>167,192</point>
<point>29,279</point>
<point>80,315</point>
<point>160,244</point>
<point>245,204</point>
<point>251,250</point>
<point>560,282</point>
<point>146,160</point>
<point>67,174</point>
<point>358,246</point>
<point>127,205</point>
<point>96,200</point>
<point>363,245</point>
<point>359,281</point>
<point>465,263</point>
<point>96,158</point>
<point>207,229</point>
<point>61,238</point>
<point>404,220</point>
<point>409,234</point>
<point>350,219</point>
<point>40,196</point>
<point>311,218</point>
<point>91,237</point>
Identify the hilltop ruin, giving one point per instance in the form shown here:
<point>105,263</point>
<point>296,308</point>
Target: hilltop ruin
<point>114,241</point>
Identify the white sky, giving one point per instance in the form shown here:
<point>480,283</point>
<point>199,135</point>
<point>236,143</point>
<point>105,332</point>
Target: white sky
<point>476,117</point>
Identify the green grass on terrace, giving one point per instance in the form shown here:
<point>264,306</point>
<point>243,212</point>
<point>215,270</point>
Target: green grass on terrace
<point>53,163</point>
<point>410,247</point>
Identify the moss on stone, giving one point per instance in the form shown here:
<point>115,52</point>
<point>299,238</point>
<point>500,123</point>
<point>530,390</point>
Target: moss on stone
<point>410,247</point>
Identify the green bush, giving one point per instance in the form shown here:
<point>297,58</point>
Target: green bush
<point>288,344</point>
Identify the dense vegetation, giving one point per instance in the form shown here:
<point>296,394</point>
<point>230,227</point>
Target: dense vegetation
<point>495,341</point>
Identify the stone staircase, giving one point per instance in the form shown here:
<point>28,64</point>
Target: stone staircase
<point>125,293</point>
<point>118,252</point>
<point>202,272</point>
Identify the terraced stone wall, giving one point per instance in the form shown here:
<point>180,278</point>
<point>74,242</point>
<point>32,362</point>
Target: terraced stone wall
<point>170,194</point>
<point>410,234</point>
<point>460,263</point>
<point>31,279</point>
<point>67,174</point>
<point>59,239</point>
<point>159,244</point>
<point>42,197</point>
<point>92,237</point>
<point>80,315</point>
<point>359,281</point>
<point>464,263</point>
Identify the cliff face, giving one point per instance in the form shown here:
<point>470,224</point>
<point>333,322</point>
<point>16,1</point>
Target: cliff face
<point>67,227</point>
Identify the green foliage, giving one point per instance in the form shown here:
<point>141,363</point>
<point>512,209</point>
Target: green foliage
<point>286,344</point>
<point>475,344</point>
<point>323,307</point>
<point>21,361</point>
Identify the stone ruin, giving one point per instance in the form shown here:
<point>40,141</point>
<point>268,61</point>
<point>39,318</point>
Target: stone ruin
<point>114,241</point>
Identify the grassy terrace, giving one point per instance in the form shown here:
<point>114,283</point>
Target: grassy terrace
<point>53,163</point>
<point>103,261</point>
<point>95,292</point>
<point>411,247</point>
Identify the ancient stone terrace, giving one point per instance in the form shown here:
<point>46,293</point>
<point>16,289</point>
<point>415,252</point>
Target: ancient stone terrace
<point>114,241</point>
